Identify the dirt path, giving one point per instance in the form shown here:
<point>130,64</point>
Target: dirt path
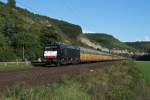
<point>44,75</point>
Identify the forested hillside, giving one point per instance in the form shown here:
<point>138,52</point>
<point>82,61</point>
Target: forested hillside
<point>22,31</point>
<point>141,46</point>
<point>107,41</point>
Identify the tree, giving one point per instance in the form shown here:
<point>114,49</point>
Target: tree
<point>49,34</point>
<point>6,52</point>
<point>11,3</point>
<point>10,26</point>
<point>27,45</point>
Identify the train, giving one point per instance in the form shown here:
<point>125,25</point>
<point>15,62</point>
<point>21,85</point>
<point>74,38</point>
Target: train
<point>60,54</point>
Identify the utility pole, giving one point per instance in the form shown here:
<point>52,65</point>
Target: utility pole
<point>23,52</point>
<point>149,52</point>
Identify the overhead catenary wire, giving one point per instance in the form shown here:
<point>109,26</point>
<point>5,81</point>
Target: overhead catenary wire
<point>27,7</point>
<point>74,12</point>
<point>64,3</point>
<point>70,9</point>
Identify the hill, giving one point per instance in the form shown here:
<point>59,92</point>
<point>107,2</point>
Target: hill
<point>23,34</point>
<point>141,46</point>
<point>107,41</point>
<point>21,30</point>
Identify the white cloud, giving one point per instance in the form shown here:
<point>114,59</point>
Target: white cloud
<point>146,38</point>
<point>87,31</point>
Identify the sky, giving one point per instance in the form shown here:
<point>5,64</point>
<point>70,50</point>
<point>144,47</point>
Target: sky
<point>127,20</point>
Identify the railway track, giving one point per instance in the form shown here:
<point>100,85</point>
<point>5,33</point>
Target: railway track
<point>45,75</point>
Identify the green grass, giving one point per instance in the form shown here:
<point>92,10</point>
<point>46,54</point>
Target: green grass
<point>119,82</point>
<point>144,67</point>
<point>14,66</point>
<point>64,90</point>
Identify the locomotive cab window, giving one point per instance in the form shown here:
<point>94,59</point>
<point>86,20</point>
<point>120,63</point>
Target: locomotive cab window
<point>52,48</point>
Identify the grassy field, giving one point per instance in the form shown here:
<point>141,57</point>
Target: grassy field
<point>14,66</point>
<point>119,82</point>
<point>144,67</point>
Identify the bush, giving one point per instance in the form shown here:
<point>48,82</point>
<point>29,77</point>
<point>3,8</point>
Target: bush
<point>119,82</point>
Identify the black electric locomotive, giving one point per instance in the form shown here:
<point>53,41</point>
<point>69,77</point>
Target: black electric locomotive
<point>57,53</point>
